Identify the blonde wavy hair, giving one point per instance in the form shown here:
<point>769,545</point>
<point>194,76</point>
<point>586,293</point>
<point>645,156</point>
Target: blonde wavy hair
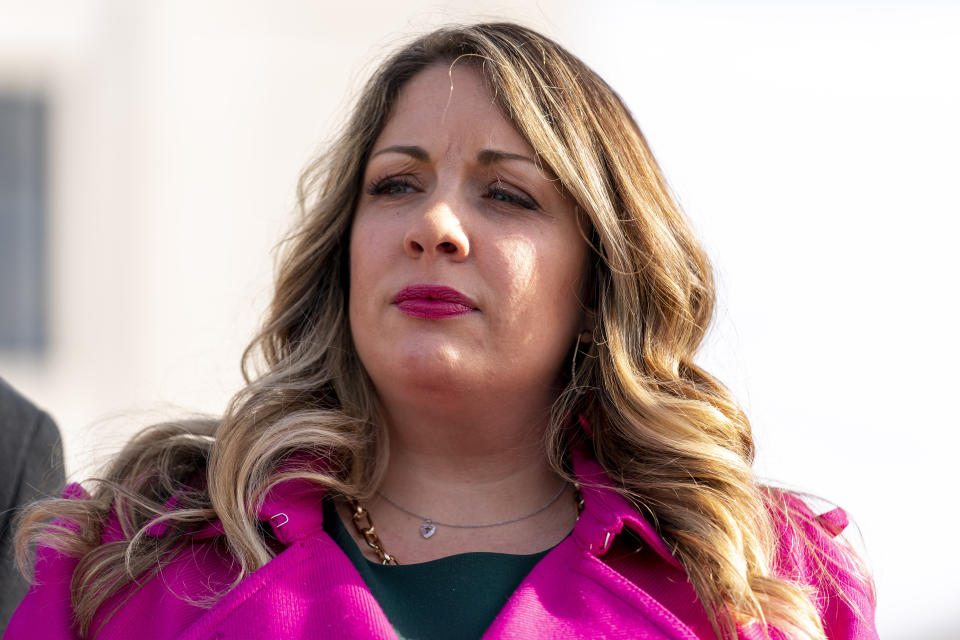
<point>668,434</point>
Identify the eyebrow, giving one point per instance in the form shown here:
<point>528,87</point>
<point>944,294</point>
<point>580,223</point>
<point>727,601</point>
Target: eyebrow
<point>484,156</point>
<point>415,152</point>
<point>489,156</point>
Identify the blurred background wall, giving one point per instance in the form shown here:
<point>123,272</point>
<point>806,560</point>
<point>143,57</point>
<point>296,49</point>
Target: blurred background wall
<point>814,145</point>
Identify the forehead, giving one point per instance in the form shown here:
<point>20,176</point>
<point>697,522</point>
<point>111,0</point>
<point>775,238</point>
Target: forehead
<point>449,106</point>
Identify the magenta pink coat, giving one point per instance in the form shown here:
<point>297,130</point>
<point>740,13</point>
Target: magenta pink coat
<point>311,589</point>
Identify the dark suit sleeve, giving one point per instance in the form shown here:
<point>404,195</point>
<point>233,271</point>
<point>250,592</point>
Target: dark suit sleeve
<point>31,467</point>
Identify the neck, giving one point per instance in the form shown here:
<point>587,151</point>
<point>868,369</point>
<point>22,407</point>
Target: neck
<point>468,461</point>
<point>469,467</point>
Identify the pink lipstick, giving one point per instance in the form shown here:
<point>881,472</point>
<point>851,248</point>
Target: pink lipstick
<point>433,302</point>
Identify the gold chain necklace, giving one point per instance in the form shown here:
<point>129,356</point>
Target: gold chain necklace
<point>364,525</point>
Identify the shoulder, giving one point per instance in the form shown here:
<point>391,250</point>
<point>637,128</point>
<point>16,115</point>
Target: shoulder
<point>13,406</point>
<point>31,457</point>
<point>47,611</point>
<point>172,596</point>
<point>31,466</point>
<point>23,427</point>
<point>811,551</point>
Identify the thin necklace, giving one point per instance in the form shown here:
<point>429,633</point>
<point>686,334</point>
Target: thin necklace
<point>429,525</point>
<point>364,524</point>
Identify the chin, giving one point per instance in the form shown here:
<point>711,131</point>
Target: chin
<point>439,367</point>
<point>405,366</point>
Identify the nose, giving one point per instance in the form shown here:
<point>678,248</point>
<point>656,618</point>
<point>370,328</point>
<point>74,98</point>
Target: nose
<point>437,232</point>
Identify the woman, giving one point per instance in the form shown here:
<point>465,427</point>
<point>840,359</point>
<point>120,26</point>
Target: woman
<point>482,339</point>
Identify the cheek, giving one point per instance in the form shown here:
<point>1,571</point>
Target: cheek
<point>519,273</point>
<point>369,255</point>
<point>541,283</point>
<point>563,265</point>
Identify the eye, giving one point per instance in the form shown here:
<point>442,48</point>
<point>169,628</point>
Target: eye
<point>392,186</point>
<point>500,193</point>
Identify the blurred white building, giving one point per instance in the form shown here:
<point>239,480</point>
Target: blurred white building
<point>813,145</point>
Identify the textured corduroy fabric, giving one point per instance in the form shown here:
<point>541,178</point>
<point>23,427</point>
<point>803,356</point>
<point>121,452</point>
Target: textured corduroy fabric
<point>594,584</point>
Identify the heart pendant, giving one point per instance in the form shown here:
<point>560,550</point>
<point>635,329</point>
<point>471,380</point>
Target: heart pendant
<point>427,529</point>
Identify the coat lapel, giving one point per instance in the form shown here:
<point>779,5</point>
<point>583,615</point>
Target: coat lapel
<point>572,593</point>
<point>312,590</point>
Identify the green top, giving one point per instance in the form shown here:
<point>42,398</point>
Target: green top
<point>453,597</point>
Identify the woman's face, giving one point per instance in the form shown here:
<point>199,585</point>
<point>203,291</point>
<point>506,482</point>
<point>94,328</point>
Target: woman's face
<point>465,256</point>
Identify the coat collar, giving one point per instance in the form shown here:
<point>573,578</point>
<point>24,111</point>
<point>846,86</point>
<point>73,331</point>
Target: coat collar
<point>294,511</point>
<point>313,577</point>
<point>606,512</point>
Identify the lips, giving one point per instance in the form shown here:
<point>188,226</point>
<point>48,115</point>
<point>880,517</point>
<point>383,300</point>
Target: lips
<point>433,302</point>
